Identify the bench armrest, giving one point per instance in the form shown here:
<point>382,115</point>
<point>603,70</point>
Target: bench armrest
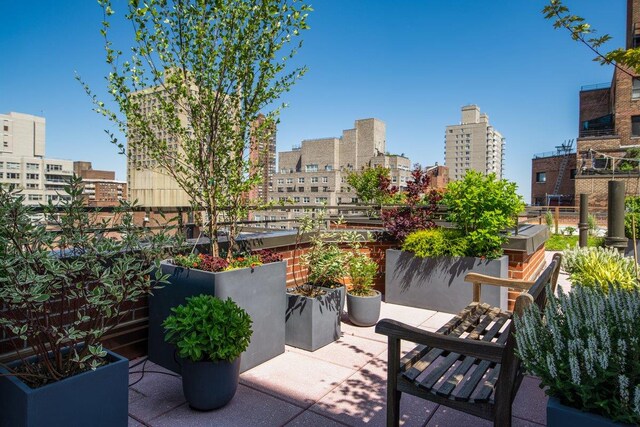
<point>482,279</point>
<point>479,349</point>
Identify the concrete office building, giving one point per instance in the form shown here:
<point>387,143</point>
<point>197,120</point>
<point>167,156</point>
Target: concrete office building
<point>23,163</point>
<point>153,186</point>
<point>316,172</point>
<point>473,144</point>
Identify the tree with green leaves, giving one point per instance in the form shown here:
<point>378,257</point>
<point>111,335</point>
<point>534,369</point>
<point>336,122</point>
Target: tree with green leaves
<point>581,31</point>
<point>372,185</point>
<point>189,95</point>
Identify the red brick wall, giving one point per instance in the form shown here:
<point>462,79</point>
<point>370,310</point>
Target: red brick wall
<point>551,167</point>
<point>130,337</point>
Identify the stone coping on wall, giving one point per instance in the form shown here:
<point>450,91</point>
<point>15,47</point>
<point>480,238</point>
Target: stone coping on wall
<point>529,239</point>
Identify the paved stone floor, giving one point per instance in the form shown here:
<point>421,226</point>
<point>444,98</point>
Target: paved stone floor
<point>341,384</point>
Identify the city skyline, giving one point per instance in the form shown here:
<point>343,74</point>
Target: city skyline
<point>411,65</point>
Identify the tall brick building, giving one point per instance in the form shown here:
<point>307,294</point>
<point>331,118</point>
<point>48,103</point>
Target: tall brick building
<point>609,126</point>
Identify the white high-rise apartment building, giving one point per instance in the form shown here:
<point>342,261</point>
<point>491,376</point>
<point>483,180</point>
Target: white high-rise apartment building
<point>22,161</point>
<point>473,144</point>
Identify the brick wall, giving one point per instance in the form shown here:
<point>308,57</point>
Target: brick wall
<point>596,187</point>
<point>130,337</point>
<point>551,167</point>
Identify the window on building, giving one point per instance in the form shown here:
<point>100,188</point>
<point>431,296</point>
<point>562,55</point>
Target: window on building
<point>13,165</point>
<point>33,176</point>
<point>573,174</point>
<point>325,189</point>
<point>300,180</point>
<point>280,189</point>
<point>35,197</point>
<point>314,179</point>
<point>296,199</point>
<point>635,125</point>
<point>301,189</point>
<point>311,168</point>
<point>328,168</point>
<point>314,189</point>
<point>635,92</point>
<point>541,177</point>
<point>33,166</point>
<point>289,180</point>
<point>325,179</point>
<point>51,168</point>
<point>305,200</point>
<point>13,175</point>
<point>354,200</point>
<point>281,181</point>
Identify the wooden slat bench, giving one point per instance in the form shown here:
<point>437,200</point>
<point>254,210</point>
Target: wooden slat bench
<point>469,364</point>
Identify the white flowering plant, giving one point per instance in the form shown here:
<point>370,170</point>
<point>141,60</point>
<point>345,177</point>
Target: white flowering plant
<point>585,347</point>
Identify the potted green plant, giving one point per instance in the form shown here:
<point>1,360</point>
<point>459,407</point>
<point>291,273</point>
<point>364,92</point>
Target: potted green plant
<point>209,335</point>
<point>315,303</point>
<point>429,271</point>
<point>363,302</point>
<point>65,284</point>
<point>585,349</point>
<point>199,112</point>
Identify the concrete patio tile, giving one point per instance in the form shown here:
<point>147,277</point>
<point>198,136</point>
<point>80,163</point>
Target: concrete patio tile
<point>248,408</point>
<point>361,400</point>
<point>134,395</point>
<point>349,351</point>
<point>436,321</point>
<point>447,417</point>
<point>162,393</point>
<point>531,402</point>
<point>409,315</point>
<point>296,378</point>
<point>311,419</point>
<point>134,423</point>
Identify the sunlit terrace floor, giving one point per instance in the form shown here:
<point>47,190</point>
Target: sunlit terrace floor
<point>343,383</point>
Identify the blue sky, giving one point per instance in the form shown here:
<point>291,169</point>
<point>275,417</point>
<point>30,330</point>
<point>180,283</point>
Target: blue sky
<point>410,63</point>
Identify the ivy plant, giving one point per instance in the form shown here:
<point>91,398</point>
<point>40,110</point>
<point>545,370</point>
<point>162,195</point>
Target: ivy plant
<point>208,329</point>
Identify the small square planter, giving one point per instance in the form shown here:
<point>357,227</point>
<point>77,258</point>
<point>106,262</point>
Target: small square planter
<point>97,398</point>
<point>312,323</point>
<point>259,290</point>
<point>438,283</point>
<point>559,415</point>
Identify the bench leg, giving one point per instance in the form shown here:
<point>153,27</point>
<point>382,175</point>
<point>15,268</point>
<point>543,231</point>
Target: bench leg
<point>503,413</point>
<point>393,395</point>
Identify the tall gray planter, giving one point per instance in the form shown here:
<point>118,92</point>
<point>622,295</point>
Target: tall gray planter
<point>438,283</point>
<point>312,323</point>
<point>96,398</point>
<point>259,290</point>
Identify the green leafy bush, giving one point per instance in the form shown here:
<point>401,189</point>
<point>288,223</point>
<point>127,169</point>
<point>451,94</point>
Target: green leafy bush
<point>483,207</point>
<point>67,281</point>
<point>208,329</point>
<point>362,270</point>
<point>632,207</point>
<point>585,348</point>
<point>599,268</point>
<point>559,242</point>
<point>436,242</point>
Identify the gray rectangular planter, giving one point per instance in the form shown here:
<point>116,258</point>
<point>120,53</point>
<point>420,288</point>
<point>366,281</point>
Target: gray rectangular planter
<point>259,290</point>
<point>312,323</point>
<point>97,398</point>
<point>438,283</point>
<point>559,415</point>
